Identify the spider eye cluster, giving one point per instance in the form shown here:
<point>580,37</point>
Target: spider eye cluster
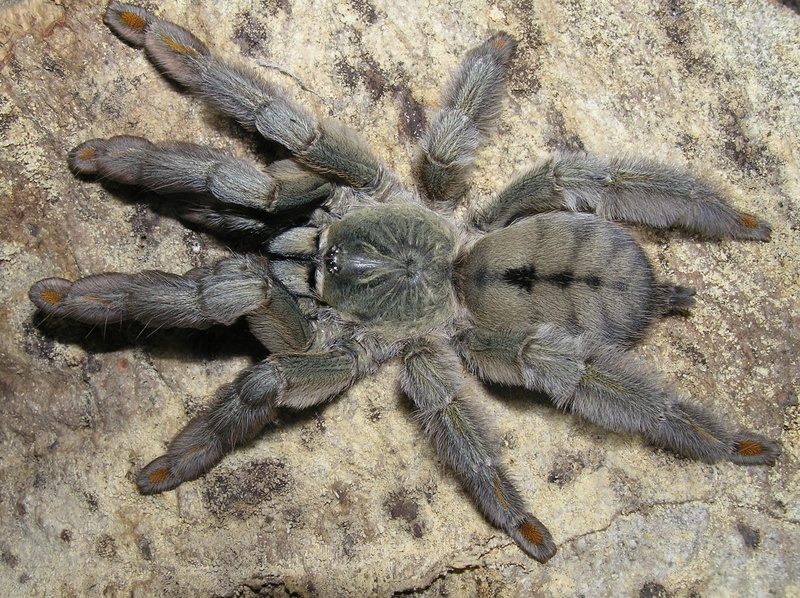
<point>332,259</point>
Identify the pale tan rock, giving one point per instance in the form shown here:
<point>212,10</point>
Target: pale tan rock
<point>351,500</point>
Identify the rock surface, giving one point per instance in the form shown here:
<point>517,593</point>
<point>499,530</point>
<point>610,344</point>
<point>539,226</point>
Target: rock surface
<point>350,500</point>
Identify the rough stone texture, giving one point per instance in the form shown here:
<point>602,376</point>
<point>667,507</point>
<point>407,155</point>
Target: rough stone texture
<point>349,500</point>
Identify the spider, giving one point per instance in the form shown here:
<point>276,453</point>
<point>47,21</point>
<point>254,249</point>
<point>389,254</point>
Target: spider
<point>539,288</point>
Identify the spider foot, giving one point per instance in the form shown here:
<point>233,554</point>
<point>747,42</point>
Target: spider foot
<point>116,159</point>
<point>129,22</point>
<point>49,296</point>
<point>158,477</point>
<point>753,449</point>
<point>751,228</point>
<point>168,45</point>
<point>193,452</point>
<point>534,538</point>
<point>94,299</point>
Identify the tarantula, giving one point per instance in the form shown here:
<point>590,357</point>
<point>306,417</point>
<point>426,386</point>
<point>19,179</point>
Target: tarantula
<point>538,289</point>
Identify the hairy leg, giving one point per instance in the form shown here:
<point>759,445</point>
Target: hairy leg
<point>622,189</point>
<point>243,408</point>
<point>611,388</point>
<point>216,182</point>
<point>327,147</point>
<point>433,380</point>
<point>471,103</point>
<point>220,294</point>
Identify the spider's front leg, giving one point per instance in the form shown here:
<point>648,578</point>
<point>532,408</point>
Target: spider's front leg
<point>221,192</point>
<point>243,408</point>
<point>431,378</point>
<point>609,387</point>
<point>622,189</point>
<point>326,147</point>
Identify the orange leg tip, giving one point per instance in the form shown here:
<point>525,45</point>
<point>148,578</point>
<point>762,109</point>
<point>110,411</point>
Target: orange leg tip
<point>748,221</point>
<point>531,533</point>
<point>51,296</point>
<point>500,43</point>
<point>749,448</point>
<point>179,48</point>
<point>87,153</point>
<point>132,20</point>
<point>158,476</point>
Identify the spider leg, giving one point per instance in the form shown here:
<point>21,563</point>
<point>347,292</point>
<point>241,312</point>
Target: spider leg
<point>608,387</point>
<point>217,183</point>
<point>623,189</point>
<point>471,104</point>
<point>327,147</point>
<point>243,408</point>
<point>220,294</point>
<point>432,378</point>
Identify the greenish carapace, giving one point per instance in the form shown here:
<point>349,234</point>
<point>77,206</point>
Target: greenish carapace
<point>391,268</point>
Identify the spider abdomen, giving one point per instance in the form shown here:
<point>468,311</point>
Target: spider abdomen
<point>573,270</point>
<point>390,266</point>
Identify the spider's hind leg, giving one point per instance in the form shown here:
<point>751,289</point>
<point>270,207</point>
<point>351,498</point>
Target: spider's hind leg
<point>432,379</point>
<point>610,388</point>
<point>242,409</point>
